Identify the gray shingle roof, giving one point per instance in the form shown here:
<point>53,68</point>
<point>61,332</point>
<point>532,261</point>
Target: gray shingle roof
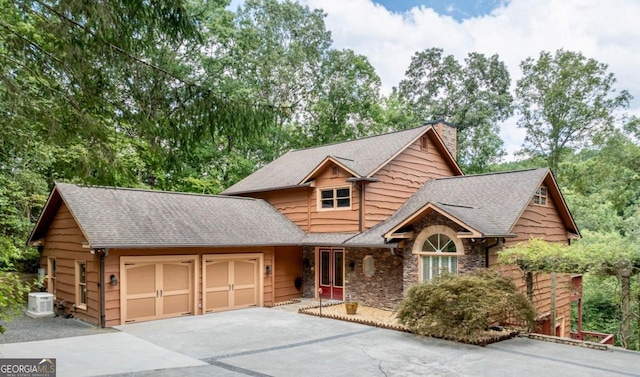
<point>363,156</point>
<point>489,203</point>
<point>114,217</point>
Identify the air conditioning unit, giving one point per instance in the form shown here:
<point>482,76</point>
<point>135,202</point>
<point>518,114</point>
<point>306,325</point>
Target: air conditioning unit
<point>40,305</point>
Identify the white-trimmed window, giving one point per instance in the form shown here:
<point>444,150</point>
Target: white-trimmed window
<point>540,197</point>
<point>81,284</point>
<point>334,198</point>
<point>439,249</point>
<point>439,256</point>
<point>51,275</point>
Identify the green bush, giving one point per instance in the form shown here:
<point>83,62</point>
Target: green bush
<point>12,293</point>
<point>463,306</point>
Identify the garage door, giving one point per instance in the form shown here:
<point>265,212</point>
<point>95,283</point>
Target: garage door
<point>231,281</point>
<point>157,287</point>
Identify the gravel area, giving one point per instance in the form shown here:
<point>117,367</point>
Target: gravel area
<point>26,329</point>
<point>364,314</point>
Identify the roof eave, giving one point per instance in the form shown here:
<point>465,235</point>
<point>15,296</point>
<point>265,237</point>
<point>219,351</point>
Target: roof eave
<point>235,193</point>
<point>187,245</point>
<point>474,232</point>
<point>323,163</point>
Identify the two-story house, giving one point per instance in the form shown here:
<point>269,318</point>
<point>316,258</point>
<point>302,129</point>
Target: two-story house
<point>363,219</point>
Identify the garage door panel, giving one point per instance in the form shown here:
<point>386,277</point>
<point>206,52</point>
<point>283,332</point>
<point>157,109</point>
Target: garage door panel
<point>141,308</point>
<point>217,300</point>
<point>176,276</point>
<point>244,272</point>
<point>217,274</point>
<point>244,297</point>
<point>176,305</point>
<point>141,279</point>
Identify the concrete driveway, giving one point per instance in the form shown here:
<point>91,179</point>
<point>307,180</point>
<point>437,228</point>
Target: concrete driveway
<point>270,342</point>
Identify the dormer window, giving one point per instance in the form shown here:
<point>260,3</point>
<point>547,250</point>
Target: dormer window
<point>540,197</point>
<point>335,198</point>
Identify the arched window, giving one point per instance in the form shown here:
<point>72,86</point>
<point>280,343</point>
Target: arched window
<point>439,249</point>
<point>440,256</point>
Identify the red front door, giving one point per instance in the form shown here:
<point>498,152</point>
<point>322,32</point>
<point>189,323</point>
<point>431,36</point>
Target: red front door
<point>331,276</point>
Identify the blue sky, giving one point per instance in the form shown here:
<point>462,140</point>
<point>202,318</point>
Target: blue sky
<point>457,9</point>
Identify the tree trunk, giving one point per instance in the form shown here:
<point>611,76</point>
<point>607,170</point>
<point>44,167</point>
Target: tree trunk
<point>529,280</point>
<point>626,308</point>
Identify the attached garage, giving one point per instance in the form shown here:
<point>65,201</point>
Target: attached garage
<point>151,255</point>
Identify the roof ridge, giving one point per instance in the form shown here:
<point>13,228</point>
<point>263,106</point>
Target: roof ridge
<point>489,173</point>
<point>152,191</point>
<point>359,139</point>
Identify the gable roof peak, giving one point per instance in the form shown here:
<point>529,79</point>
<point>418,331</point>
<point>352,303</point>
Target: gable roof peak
<point>362,157</point>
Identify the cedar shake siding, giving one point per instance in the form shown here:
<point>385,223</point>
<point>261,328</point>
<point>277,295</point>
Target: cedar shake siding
<point>401,178</point>
<point>333,220</point>
<point>288,268</point>
<point>542,222</point>
<point>300,205</point>
<point>63,241</point>
<point>293,203</point>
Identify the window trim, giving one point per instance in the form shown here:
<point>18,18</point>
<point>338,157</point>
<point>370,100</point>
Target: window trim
<point>52,268</point>
<point>541,198</point>
<point>78,301</point>
<point>334,198</point>
<point>422,238</point>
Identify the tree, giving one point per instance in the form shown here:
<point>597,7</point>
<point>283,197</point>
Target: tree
<point>280,52</point>
<point>347,104</point>
<point>474,96</point>
<point>564,101</point>
<point>87,73</point>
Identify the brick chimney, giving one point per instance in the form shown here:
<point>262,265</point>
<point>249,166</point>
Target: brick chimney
<point>448,133</point>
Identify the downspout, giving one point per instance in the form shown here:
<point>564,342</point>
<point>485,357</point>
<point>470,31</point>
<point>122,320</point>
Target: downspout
<point>361,207</point>
<point>486,258</point>
<point>103,255</point>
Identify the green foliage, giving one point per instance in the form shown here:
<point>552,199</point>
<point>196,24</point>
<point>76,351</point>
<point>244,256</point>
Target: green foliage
<point>474,96</point>
<point>12,293</point>
<point>565,101</point>
<point>537,255</point>
<point>463,305</point>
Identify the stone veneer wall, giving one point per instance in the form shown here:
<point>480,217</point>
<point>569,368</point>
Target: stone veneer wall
<point>308,272</point>
<point>383,289</point>
<point>474,251</point>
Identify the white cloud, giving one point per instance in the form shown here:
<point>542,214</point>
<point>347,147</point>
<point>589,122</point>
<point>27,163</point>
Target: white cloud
<point>604,30</point>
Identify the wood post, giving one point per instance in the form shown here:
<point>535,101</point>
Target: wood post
<point>553,304</point>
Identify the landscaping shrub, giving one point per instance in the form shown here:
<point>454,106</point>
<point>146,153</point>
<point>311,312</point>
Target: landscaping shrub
<point>463,306</point>
<point>12,293</point>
